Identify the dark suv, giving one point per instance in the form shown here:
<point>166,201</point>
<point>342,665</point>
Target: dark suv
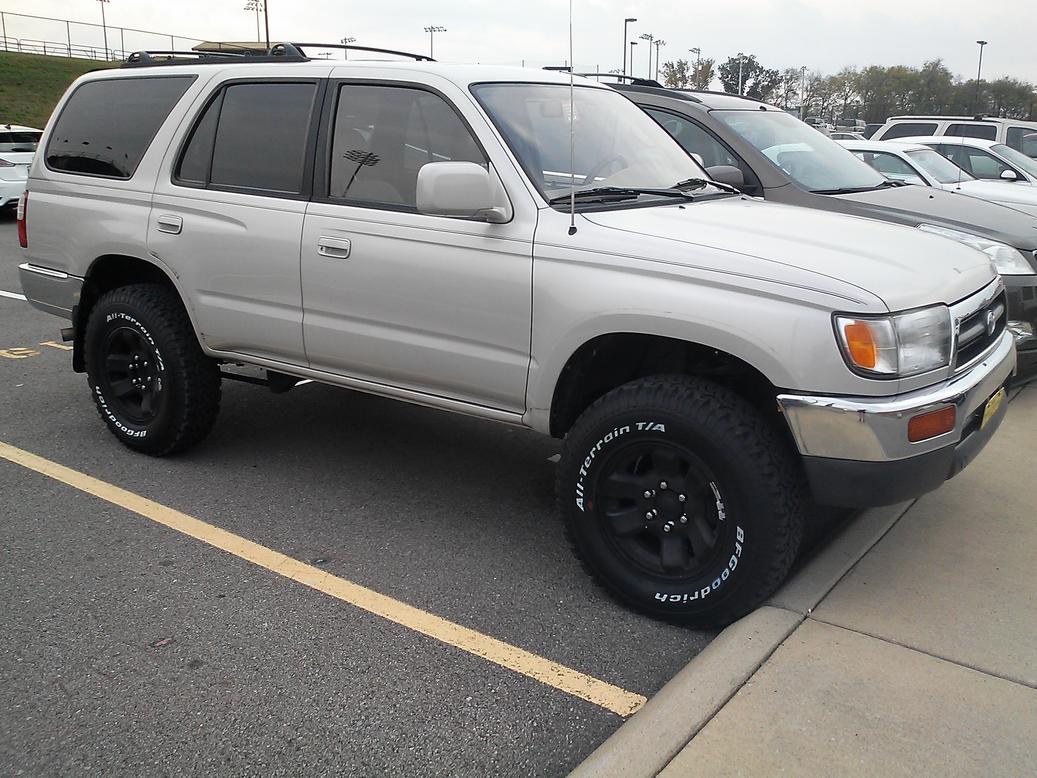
<point>768,153</point>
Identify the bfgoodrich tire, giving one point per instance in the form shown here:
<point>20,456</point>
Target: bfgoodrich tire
<point>154,388</point>
<point>681,500</point>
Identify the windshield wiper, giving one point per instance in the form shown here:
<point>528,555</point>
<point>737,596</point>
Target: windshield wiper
<point>605,193</point>
<point>702,183</point>
<point>855,189</point>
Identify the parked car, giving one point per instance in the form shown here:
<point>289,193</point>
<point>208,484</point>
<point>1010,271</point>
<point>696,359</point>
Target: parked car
<point>412,230</point>
<point>772,155</point>
<point>871,128</point>
<point>985,159</point>
<point>17,146</point>
<point>840,135</point>
<point>1014,133</point>
<point>915,163</point>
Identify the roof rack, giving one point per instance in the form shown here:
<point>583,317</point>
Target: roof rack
<point>279,52</point>
<point>349,47</point>
<point>633,80</point>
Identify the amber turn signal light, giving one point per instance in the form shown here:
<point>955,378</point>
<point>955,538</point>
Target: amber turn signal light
<point>861,344</point>
<point>929,425</point>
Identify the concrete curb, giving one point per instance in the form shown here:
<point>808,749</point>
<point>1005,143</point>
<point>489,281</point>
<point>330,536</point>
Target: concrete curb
<point>649,740</point>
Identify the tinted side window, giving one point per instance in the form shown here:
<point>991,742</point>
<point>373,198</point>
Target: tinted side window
<point>694,139</point>
<point>907,129</point>
<point>891,166</point>
<point>383,135</point>
<point>985,131</point>
<point>1022,139</point>
<point>106,126</point>
<point>262,135</point>
<point>193,166</point>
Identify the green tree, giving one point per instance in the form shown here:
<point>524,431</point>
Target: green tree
<point>676,75</point>
<point>757,81</point>
<point>702,74</point>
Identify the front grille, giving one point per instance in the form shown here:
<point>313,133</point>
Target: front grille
<point>975,333</point>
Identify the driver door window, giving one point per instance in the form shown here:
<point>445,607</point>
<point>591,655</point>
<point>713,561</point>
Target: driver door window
<point>891,166</point>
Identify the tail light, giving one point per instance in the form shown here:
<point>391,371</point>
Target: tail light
<point>23,210</point>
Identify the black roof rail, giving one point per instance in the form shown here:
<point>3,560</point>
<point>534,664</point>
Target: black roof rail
<point>350,47</point>
<point>633,80</point>
<point>280,52</point>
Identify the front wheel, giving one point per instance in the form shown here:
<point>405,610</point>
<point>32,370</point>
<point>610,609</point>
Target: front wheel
<point>154,388</point>
<point>681,500</point>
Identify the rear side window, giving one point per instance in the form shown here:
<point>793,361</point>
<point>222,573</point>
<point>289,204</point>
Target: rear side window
<point>908,129</point>
<point>251,138</point>
<point>19,140</point>
<point>106,126</point>
<point>1022,139</point>
<point>984,131</point>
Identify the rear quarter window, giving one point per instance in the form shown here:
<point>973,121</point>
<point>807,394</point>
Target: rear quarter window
<point>909,129</point>
<point>984,131</point>
<point>106,126</point>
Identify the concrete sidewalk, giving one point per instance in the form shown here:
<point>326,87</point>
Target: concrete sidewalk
<point>907,647</point>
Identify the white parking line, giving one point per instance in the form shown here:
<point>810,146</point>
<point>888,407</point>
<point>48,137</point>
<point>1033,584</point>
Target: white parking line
<point>12,295</point>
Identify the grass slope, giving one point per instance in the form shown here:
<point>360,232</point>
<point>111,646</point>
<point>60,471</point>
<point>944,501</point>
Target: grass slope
<point>30,84</point>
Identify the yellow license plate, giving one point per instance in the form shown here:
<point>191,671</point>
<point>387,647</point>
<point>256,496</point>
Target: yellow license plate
<point>992,405</point>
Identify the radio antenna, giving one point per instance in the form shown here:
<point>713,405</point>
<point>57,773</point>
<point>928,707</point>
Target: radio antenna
<point>572,130</point>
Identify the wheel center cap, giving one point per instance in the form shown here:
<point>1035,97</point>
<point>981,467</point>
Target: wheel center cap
<point>668,505</point>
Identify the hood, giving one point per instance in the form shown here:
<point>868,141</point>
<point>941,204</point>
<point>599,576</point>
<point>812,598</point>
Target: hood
<point>903,267</point>
<point>914,205</point>
<point>1021,197</point>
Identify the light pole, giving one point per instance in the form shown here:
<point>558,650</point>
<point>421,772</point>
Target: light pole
<point>698,61</point>
<point>979,73</point>
<point>257,6</point>
<point>646,37</point>
<point>740,56</point>
<point>632,44</point>
<point>104,28</point>
<point>346,42</point>
<point>802,92</point>
<point>432,30</point>
<point>657,43</point>
<point>626,23</point>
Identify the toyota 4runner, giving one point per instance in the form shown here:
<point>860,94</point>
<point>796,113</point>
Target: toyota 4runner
<point>502,243</point>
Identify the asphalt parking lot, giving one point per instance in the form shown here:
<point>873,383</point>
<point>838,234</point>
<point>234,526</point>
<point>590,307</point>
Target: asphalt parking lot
<point>133,647</point>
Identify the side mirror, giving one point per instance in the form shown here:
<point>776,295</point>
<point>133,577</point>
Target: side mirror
<point>1009,175</point>
<point>727,174</point>
<point>698,158</point>
<point>462,190</point>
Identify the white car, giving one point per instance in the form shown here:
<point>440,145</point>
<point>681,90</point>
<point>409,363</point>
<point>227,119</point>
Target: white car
<point>1015,133</point>
<point>984,159</point>
<point>17,148</point>
<point>845,135</point>
<point>915,163</point>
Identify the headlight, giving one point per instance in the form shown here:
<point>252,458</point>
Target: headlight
<point>1006,260</point>
<point>896,346</point>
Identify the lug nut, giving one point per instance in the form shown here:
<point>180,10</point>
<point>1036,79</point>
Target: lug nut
<point>649,515</point>
<point>648,494</point>
<point>667,527</point>
<point>662,484</point>
<point>681,497</point>
<point>684,519</point>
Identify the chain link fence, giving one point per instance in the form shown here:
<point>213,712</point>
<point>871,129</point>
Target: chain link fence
<point>27,34</point>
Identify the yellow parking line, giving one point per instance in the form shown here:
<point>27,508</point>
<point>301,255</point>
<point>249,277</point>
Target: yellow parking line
<point>593,690</point>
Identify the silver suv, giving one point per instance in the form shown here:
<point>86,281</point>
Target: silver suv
<point>419,231</point>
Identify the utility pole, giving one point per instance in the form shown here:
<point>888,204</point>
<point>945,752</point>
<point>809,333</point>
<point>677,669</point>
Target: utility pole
<point>802,92</point>
<point>346,42</point>
<point>698,61</point>
<point>979,74</point>
<point>626,23</point>
<point>657,43</point>
<point>432,30</point>
<point>104,28</point>
<point>740,57</point>
<point>632,44</point>
<point>647,37</point>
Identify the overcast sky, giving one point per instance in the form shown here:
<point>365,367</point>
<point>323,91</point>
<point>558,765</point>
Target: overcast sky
<point>821,34</point>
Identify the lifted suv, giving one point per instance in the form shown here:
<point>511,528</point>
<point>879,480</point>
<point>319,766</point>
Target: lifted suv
<point>404,228</point>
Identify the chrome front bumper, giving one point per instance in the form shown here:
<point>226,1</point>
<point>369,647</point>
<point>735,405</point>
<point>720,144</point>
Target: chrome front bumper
<point>868,429</point>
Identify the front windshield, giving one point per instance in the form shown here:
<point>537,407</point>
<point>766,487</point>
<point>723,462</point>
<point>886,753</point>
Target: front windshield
<point>1016,158</point>
<point>617,144</point>
<point>812,160</point>
<point>939,167</point>
<point>19,140</point>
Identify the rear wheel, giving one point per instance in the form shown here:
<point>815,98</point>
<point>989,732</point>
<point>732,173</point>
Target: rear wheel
<point>681,500</point>
<point>154,388</point>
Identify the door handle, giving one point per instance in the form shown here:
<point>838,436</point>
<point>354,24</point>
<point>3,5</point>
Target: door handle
<point>334,248</point>
<point>169,223</point>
